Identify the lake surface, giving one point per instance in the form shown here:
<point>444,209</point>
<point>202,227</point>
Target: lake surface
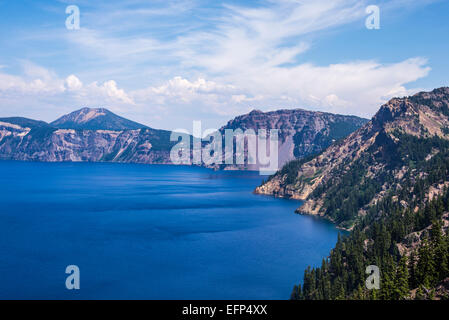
<point>150,232</point>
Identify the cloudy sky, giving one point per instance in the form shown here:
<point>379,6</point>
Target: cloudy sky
<point>165,63</point>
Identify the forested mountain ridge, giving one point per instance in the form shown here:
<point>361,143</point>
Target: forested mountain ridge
<point>402,149</point>
<point>410,248</point>
<point>388,183</point>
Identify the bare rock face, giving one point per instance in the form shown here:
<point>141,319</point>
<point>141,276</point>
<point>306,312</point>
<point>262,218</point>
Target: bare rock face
<point>356,172</point>
<point>24,140</point>
<point>96,134</point>
<point>95,119</point>
<point>301,132</point>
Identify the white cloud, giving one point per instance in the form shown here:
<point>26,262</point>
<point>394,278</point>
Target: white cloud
<point>257,50</point>
<point>206,96</point>
<point>35,80</point>
<point>187,90</point>
<point>73,83</point>
<point>110,91</point>
<point>38,87</point>
<point>265,37</point>
<point>215,67</point>
<point>352,88</point>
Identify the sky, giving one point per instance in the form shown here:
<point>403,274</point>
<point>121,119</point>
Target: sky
<point>166,63</point>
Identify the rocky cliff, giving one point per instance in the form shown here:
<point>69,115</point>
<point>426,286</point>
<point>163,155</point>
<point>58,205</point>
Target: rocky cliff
<point>30,140</point>
<point>388,183</point>
<point>301,132</point>
<point>96,134</point>
<point>397,148</point>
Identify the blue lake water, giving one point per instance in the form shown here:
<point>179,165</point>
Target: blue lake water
<point>150,232</point>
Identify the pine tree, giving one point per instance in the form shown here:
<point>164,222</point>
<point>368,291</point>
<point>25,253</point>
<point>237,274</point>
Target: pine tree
<point>412,270</point>
<point>388,279</point>
<point>440,250</point>
<point>426,265</point>
<point>296,293</point>
<point>402,278</point>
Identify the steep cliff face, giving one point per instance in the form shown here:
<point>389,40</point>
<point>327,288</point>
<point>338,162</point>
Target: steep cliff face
<point>29,140</point>
<point>390,153</point>
<point>301,132</point>
<point>387,182</point>
<point>99,135</point>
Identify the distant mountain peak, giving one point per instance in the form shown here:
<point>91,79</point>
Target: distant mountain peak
<point>95,119</point>
<point>256,111</point>
<point>86,114</point>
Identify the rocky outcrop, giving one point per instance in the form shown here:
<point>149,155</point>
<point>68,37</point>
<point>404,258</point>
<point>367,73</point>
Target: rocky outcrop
<point>100,135</point>
<point>301,132</point>
<point>23,139</point>
<point>371,162</point>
